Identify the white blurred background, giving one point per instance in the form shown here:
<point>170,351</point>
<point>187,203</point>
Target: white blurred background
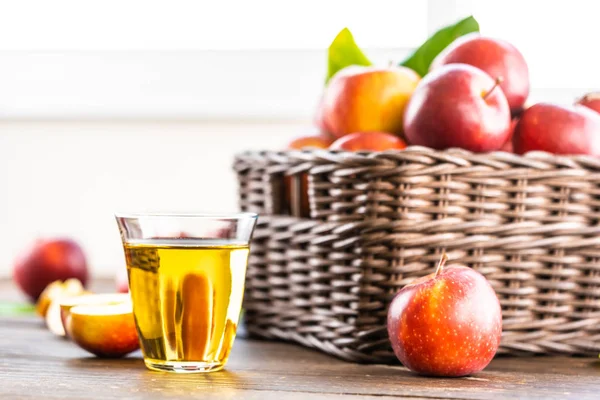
<point>131,104</point>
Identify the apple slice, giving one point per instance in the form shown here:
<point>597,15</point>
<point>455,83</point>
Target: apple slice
<point>55,290</point>
<point>53,322</point>
<point>105,330</point>
<point>88,299</point>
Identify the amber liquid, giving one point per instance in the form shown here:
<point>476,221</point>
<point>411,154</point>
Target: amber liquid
<point>187,295</point>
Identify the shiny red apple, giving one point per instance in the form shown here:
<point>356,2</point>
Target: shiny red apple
<point>458,105</point>
<point>446,324</point>
<point>368,141</point>
<point>558,129</point>
<point>590,100</point>
<point>497,58</point>
<point>49,260</point>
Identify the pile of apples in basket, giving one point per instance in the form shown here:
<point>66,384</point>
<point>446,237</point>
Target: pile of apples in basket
<point>460,89</point>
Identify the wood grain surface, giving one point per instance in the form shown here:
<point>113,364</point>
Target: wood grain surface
<point>36,364</point>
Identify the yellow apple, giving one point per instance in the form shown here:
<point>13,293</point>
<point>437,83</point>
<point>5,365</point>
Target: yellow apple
<point>364,99</point>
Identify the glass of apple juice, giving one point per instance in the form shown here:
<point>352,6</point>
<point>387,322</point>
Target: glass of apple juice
<point>186,278</point>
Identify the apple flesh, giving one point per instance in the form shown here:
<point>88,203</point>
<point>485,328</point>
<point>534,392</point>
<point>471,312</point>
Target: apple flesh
<point>446,324</point>
<point>368,141</point>
<point>53,321</point>
<point>105,330</point>
<point>47,261</point>
<point>458,105</point>
<point>497,58</point>
<point>591,101</point>
<point>67,303</point>
<point>558,129</point>
<point>57,290</point>
<point>363,99</point>
<point>48,305</point>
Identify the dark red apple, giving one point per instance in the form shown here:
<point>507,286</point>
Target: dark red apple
<point>446,324</point>
<point>496,57</point>
<point>590,100</point>
<point>49,260</point>
<point>558,129</point>
<point>368,141</point>
<point>458,105</point>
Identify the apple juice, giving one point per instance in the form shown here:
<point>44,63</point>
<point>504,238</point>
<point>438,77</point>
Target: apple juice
<point>187,295</point>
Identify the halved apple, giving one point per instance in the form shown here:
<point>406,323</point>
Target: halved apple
<point>88,299</point>
<point>105,330</point>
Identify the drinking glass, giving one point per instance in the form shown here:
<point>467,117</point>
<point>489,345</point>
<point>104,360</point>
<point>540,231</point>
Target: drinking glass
<point>186,278</point>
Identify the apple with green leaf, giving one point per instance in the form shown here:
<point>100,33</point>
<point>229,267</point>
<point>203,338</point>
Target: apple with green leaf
<point>362,99</point>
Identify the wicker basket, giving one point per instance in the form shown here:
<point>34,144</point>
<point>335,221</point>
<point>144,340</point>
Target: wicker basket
<point>379,220</point>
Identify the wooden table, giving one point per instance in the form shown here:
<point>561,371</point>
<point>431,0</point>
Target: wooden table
<point>36,364</point>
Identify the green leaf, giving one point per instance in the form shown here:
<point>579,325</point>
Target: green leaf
<point>421,59</point>
<point>10,309</point>
<point>344,52</point>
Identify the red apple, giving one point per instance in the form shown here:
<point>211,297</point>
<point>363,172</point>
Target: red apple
<point>368,141</point>
<point>496,57</point>
<point>362,99</point>
<point>590,100</point>
<point>446,324</point>
<point>458,105</point>
<point>558,129</point>
<point>49,260</point>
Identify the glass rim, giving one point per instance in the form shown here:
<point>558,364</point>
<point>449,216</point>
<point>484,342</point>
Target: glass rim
<point>235,215</point>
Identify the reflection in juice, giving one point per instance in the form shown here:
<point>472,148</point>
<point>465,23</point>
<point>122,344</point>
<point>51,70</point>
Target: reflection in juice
<point>187,296</point>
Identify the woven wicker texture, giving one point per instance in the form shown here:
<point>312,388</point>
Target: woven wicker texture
<point>379,220</point>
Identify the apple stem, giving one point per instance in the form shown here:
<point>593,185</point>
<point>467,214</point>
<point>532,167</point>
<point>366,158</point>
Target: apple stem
<point>441,263</point>
<point>497,83</point>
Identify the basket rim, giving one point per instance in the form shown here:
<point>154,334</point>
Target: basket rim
<point>540,160</point>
